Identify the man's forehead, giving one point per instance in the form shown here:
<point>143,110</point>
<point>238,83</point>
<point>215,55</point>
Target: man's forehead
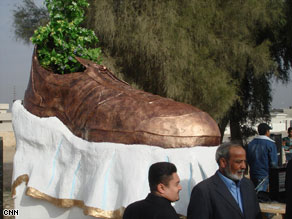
<point>175,177</point>
<point>237,151</point>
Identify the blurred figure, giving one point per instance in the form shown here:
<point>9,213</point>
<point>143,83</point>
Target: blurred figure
<point>165,187</point>
<point>227,194</point>
<point>261,156</point>
<point>287,144</point>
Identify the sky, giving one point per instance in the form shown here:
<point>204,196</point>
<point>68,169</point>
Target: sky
<point>15,63</point>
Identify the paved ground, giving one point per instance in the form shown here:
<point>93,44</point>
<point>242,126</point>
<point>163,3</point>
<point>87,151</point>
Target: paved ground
<point>8,153</point>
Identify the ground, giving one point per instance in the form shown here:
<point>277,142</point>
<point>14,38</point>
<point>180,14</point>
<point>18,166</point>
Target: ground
<point>8,154</point>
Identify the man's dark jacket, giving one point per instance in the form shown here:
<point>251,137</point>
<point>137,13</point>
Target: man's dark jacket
<point>153,207</point>
<point>289,191</point>
<point>211,199</point>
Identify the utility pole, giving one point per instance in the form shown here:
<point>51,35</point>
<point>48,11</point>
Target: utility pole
<point>14,93</point>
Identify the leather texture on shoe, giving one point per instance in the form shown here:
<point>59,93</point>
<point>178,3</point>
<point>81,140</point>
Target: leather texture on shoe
<point>97,106</point>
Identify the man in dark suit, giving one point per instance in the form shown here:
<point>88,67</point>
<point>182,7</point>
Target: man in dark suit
<point>165,187</point>
<point>288,187</point>
<point>227,194</point>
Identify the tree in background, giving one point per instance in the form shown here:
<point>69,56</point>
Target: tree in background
<point>256,91</point>
<point>27,18</point>
<point>281,37</point>
<point>213,54</point>
<point>217,55</point>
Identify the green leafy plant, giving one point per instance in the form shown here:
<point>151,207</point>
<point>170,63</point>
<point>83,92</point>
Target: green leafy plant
<point>63,38</point>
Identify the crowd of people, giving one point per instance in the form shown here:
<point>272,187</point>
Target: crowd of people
<point>226,194</point>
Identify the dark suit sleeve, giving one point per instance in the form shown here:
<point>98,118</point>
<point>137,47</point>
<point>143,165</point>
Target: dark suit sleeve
<point>199,204</point>
<point>258,210</point>
<point>167,214</point>
<point>288,186</point>
<point>127,213</point>
<point>249,200</point>
<point>256,205</point>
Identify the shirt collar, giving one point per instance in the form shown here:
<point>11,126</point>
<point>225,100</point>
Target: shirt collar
<point>264,137</point>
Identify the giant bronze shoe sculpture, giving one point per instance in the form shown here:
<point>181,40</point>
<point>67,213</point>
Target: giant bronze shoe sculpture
<point>97,106</point>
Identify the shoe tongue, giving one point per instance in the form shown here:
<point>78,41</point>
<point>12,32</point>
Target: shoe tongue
<point>85,62</point>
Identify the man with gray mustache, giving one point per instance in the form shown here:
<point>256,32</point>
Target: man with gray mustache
<point>226,194</point>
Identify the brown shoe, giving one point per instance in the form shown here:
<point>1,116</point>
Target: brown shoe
<point>97,106</point>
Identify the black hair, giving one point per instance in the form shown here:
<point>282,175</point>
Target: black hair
<point>289,129</point>
<point>223,151</point>
<point>160,172</point>
<point>263,128</point>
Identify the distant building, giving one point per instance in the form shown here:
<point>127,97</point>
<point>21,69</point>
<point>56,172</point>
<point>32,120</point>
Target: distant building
<point>281,120</point>
<point>5,118</point>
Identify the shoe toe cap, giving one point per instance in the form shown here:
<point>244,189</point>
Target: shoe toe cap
<point>188,130</point>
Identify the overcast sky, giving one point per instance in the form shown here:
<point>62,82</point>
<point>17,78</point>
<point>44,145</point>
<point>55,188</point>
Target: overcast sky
<point>15,63</point>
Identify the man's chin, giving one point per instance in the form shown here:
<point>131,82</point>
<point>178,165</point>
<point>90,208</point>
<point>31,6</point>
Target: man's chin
<point>239,177</point>
<point>235,177</point>
<point>175,199</point>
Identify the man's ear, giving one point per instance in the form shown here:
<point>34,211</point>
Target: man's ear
<point>223,162</point>
<point>160,188</point>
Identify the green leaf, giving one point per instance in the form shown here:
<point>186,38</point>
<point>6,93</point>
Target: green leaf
<point>62,38</point>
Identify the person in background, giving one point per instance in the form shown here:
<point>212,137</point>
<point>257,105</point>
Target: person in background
<point>165,186</point>
<point>261,156</point>
<point>287,144</point>
<point>227,194</point>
